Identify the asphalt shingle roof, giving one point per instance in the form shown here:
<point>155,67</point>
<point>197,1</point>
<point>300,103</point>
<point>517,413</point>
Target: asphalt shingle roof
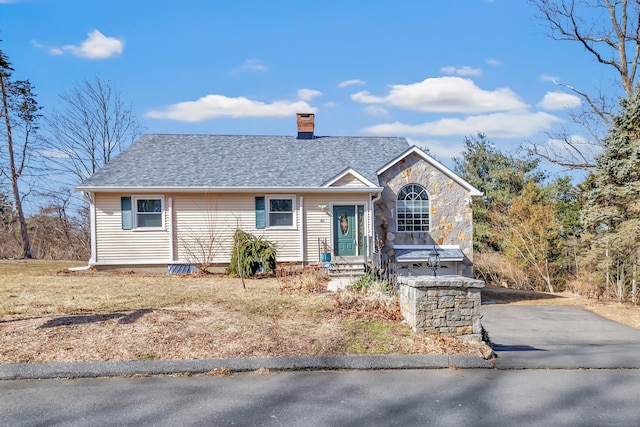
<point>244,161</point>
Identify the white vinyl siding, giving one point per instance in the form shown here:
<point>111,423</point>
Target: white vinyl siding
<point>196,218</point>
<point>200,217</point>
<point>348,181</point>
<point>114,245</point>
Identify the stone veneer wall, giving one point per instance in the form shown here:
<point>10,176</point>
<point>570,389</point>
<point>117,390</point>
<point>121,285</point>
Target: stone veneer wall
<point>451,217</point>
<point>448,305</point>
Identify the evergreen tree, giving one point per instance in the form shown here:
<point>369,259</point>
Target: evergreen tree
<point>612,201</point>
<point>500,176</point>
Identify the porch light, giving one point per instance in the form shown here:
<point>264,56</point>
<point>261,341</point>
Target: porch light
<point>433,260</point>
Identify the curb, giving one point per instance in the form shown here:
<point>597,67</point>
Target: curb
<point>22,371</point>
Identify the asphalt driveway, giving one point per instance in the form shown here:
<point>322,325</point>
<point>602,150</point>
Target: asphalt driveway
<point>557,337</point>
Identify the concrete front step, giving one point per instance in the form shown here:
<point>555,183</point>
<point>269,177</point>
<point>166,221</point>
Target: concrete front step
<point>347,269</point>
<point>346,273</point>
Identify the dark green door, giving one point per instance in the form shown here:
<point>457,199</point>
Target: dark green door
<point>344,230</point>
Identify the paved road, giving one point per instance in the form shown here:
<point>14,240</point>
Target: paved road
<point>439,397</point>
<point>558,337</point>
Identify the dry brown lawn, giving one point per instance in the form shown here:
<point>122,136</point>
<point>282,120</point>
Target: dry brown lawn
<point>48,314</point>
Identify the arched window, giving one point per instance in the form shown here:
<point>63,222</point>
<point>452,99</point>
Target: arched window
<point>413,208</point>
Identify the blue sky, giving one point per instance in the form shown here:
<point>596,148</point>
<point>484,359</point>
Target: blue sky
<point>432,71</point>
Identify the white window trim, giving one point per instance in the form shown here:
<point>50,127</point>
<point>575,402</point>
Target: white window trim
<point>134,210</point>
<point>428,211</point>
<point>294,215</point>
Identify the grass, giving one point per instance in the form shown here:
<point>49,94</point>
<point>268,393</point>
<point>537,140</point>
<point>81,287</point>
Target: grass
<point>49,314</point>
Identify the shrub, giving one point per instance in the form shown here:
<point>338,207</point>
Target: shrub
<point>494,268</point>
<point>369,297</point>
<point>251,254</point>
<point>311,280</point>
<point>370,281</point>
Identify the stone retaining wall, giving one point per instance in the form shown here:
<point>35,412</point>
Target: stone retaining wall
<point>447,305</point>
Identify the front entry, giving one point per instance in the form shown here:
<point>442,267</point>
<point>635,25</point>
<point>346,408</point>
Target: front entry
<point>348,230</point>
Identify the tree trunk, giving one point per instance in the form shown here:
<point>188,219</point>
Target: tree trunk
<point>634,282</point>
<point>607,275</point>
<point>24,232</point>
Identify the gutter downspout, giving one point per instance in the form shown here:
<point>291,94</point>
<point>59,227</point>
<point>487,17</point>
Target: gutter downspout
<point>171,242</point>
<point>302,248</point>
<point>373,218</point>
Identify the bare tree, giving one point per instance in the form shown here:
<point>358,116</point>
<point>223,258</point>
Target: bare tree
<point>19,113</point>
<point>93,125</point>
<point>609,30</point>
<point>202,242</point>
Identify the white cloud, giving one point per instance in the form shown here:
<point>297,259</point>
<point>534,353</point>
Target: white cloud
<point>549,78</point>
<point>56,51</point>
<point>498,125</point>
<point>353,82</point>
<point>463,71</point>
<point>251,65</point>
<point>330,104</point>
<point>308,94</point>
<point>559,101</point>
<point>376,111</point>
<point>214,106</point>
<point>438,149</point>
<point>96,46</point>
<point>445,95</point>
<point>54,154</point>
<point>492,61</point>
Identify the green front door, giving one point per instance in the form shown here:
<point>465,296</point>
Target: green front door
<point>344,230</point>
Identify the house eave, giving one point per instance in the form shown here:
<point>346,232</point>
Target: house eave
<point>207,189</point>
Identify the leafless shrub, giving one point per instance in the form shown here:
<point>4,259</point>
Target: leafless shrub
<point>57,237</point>
<point>54,234</point>
<point>203,242</point>
<point>310,279</point>
<point>494,268</point>
<point>369,297</point>
<point>586,288</point>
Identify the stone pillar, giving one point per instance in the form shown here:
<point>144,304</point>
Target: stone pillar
<point>448,305</point>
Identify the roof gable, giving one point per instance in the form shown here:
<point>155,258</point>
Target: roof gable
<point>349,178</point>
<point>436,164</point>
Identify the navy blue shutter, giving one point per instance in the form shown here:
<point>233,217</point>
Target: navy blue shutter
<point>127,214</point>
<point>260,216</point>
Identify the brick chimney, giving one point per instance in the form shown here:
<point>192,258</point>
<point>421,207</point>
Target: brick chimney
<point>305,126</point>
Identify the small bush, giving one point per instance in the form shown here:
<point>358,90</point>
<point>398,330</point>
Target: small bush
<point>369,297</point>
<point>310,280</point>
<point>494,268</point>
<point>369,281</point>
<point>250,253</point>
